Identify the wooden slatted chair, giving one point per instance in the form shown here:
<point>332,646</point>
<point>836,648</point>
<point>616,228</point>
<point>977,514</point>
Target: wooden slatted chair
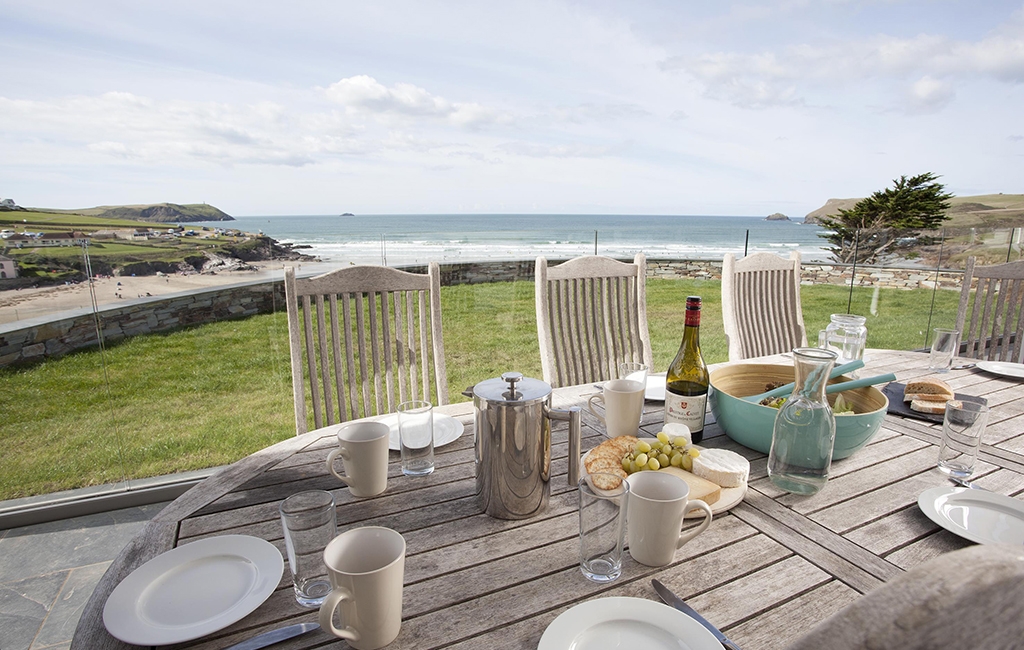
<point>364,339</point>
<point>761,305</point>
<point>591,316</point>
<point>996,328</point>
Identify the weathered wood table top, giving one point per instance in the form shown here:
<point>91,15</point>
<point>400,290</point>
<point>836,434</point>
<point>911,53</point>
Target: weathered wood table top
<point>764,572</point>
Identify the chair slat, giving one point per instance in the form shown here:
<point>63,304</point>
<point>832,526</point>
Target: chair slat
<point>400,346</point>
<point>423,346</point>
<point>350,361</point>
<point>364,371</point>
<point>371,299</point>
<point>339,372</point>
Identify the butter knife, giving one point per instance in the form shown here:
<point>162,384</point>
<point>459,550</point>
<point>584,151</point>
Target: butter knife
<point>275,636</point>
<point>677,602</point>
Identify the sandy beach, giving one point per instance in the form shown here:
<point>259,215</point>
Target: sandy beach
<point>28,303</point>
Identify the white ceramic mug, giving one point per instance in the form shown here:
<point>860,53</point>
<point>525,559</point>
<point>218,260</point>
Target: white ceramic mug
<point>363,447</point>
<point>658,502</point>
<point>623,401</point>
<point>366,567</point>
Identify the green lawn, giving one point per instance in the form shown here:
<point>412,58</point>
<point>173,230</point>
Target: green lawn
<point>209,395</point>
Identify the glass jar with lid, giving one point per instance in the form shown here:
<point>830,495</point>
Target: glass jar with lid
<point>847,336</point>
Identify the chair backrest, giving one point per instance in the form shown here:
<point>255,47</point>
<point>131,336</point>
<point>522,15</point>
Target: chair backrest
<point>374,344</point>
<point>761,305</point>
<point>969,598</point>
<point>591,316</point>
<point>996,325</point>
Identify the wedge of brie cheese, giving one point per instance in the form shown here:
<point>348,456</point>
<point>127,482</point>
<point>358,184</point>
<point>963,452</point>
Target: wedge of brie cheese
<point>721,466</point>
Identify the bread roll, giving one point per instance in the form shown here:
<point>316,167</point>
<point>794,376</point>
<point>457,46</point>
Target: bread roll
<point>933,408</point>
<point>927,389</point>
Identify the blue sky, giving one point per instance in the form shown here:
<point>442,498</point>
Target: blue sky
<point>719,108</point>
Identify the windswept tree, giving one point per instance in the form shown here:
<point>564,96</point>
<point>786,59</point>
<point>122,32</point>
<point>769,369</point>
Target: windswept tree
<point>876,225</point>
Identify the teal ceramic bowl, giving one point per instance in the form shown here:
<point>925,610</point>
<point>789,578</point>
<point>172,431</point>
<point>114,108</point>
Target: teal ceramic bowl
<point>751,424</point>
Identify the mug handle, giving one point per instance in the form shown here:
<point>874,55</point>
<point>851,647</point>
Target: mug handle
<point>590,407</point>
<point>688,535</point>
<point>330,603</point>
<point>330,464</point>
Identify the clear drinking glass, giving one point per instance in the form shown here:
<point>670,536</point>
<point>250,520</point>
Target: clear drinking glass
<point>309,523</point>
<point>634,371</point>
<point>945,346</point>
<point>416,431</point>
<point>847,336</point>
<point>805,428</point>
<point>602,526</point>
<point>962,428</point>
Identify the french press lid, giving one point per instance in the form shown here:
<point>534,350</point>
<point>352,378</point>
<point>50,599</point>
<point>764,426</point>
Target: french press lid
<point>512,388</point>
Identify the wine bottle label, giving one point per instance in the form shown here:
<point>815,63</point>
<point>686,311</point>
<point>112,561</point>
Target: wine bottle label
<point>686,409</point>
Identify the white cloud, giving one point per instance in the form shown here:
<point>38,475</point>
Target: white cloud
<point>929,95</point>
<point>364,94</point>
<point>927,66</point>
<point>568,150</point>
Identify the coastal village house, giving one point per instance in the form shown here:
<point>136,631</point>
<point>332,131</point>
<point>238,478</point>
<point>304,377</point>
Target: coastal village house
<point>8,268</point>
<point>48,239</point>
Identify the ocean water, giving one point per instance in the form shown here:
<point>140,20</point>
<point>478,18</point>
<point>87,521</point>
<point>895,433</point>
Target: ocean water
<point>415,239</point>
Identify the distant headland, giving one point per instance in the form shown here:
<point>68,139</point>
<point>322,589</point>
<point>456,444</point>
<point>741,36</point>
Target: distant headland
<point>984,210</point>
<point>152,212</point>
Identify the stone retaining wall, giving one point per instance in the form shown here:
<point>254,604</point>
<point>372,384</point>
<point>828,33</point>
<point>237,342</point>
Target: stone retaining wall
<point>838,274</point>
<point>36,339</point>
<point>39,338</point>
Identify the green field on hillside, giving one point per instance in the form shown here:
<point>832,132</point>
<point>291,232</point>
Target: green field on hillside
<point>209,395</point>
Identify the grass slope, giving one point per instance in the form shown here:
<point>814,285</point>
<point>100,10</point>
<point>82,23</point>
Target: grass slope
<point>210,395</point>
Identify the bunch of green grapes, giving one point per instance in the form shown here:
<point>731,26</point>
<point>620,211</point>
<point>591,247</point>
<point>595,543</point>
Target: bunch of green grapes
<point>662,452</point>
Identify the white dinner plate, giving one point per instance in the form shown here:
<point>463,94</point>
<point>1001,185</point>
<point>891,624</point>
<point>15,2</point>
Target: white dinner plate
<point>446,430</point>
<point>655,391</point>
<point>627,623</point>
<point>978,515</point>
<point>1003,368</point>
<point>728,499</point>
<point>193,590</point>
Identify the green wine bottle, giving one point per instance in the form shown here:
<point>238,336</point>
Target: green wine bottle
<point>686,383</point>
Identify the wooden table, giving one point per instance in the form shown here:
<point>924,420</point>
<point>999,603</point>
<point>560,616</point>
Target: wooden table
<point>764,572</point>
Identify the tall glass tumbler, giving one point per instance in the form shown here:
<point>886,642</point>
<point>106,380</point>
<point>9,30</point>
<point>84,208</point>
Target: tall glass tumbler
<point>309,523</point>
<point>634,371</point>
<point>962,428</point>
<point>944,350</point>
<point>416,431</point>
<point>603,503</point>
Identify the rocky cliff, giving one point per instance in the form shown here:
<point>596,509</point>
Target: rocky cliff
<point>162,212</point>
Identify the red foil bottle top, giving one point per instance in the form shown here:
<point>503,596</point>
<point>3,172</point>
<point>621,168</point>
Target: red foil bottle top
<point>693,311</point>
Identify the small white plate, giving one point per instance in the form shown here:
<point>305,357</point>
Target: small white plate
<point>655,391</point>
<point>1003,368</point>
<point>627,623</point>
<point>978,515</point>
<point>193,590</point>
<point>446,430</point>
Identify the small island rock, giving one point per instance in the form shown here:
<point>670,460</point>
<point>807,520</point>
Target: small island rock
<point>778,216</point>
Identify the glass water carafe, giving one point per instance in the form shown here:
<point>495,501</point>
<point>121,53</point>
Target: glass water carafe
<point>805,428</point>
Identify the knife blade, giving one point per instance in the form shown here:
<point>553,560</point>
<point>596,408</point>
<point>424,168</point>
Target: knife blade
<point>677,602</point>
<point>275,636</point>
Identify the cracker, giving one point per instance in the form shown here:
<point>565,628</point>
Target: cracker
<point>605,481</point>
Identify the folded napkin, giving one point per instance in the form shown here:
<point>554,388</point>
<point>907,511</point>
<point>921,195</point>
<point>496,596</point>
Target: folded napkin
<point>894,391</point>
